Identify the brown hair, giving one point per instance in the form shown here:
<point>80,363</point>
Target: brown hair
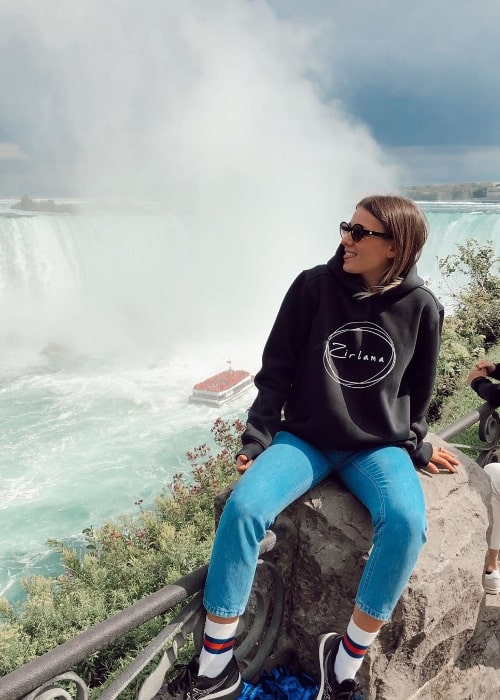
<point>407,225</point>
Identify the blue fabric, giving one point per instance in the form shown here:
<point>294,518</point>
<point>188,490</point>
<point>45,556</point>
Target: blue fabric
<point>280,684</point>
<point>383,478</point>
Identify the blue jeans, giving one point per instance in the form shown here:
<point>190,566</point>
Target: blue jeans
<point>383,479</point>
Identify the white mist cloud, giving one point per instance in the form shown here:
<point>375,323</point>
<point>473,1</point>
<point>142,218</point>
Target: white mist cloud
<point>208,108</point>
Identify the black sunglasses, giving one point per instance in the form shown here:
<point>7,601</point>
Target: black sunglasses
<point>358,232</point>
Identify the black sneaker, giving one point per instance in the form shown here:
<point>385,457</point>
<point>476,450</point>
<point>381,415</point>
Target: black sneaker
<point>188,685</point>
<point>330,688</point>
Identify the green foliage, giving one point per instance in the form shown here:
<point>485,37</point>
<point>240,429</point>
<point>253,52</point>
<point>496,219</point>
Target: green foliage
<point>477,263</point>
<point>126,559</point>
<point>474,325</point>
<point>457,354</point>
<point>460,403</point>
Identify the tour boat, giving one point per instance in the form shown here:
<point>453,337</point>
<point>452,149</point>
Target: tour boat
<point>222,387</point>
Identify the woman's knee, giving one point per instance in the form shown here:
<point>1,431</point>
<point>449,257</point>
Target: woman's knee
<point>243,507</point>
<point>407,528</point>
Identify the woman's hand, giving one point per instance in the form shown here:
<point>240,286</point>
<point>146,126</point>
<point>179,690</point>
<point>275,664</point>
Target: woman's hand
<point>487,365</point>
<point>442,459</point>
<point>475,373</point>
<point>243,463</point>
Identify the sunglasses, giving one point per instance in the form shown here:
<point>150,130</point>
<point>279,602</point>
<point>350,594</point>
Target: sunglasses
<point>358,232</point>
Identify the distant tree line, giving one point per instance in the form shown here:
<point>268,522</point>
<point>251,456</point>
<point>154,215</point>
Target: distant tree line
<point>451,192</point>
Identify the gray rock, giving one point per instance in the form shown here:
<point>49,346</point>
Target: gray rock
<point>443,632</point>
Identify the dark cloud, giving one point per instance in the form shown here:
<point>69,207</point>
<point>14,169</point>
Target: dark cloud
<point>402,118</point>
<point>421,74</point>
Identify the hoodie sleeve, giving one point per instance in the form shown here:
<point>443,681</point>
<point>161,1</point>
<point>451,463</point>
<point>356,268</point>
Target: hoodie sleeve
<point>421,378</point>
<point>496,372</point>
<point>274,380</point>
<point>487,390</point>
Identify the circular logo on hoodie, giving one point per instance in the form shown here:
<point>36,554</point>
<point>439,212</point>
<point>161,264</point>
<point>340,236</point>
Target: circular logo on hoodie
<point>359,354</point>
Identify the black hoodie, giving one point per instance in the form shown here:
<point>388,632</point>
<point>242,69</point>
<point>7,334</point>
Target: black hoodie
<point>346,373</point>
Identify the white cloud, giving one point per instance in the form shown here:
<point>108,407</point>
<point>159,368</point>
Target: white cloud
<point>208,107</point>
<point>11,151</point>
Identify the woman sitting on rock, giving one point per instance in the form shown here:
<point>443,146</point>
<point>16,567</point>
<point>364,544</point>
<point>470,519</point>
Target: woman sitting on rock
<point>346,379</point>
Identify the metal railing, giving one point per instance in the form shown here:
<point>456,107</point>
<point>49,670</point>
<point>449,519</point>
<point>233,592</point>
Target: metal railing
<point>47,677</point>
<point>44,677</point>
<point>488,420</point>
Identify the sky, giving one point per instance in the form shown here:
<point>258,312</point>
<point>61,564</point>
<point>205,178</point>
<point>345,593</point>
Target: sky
<point>262,99</point>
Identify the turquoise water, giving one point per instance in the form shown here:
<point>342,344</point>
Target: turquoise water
<point>108,320</point>
<point>83,439</point>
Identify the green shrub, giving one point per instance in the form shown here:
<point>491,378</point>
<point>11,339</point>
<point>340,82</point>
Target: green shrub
<point>474,325</point>
<point>476,308</point>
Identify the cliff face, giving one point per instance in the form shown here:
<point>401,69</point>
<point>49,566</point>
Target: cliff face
<point>443,633</point>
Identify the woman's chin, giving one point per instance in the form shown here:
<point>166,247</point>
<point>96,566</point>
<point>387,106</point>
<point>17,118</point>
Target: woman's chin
<point>348,268</point>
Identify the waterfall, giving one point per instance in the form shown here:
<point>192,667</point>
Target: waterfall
<point>91,282</point>
<point>108,282</point>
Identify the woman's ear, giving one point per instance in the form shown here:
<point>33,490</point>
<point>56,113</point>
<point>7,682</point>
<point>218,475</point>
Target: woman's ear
<point>391,252</point>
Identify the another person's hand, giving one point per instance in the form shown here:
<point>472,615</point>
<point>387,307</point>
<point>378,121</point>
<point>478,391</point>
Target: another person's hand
<point>475,373</point>
<point>487,365</point>
<point>243,463</point>
<point>442,459</point>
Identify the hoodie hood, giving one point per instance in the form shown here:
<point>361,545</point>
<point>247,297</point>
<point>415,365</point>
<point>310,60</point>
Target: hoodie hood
<point>354,283</point>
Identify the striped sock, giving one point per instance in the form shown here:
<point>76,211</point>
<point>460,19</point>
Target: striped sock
<point>218,644</point>
<point>352,650</point>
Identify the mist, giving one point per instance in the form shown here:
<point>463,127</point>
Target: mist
<point>205,111</point>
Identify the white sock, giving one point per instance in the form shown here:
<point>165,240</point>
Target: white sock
<point>352,650</point>
<point>218,644</point>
